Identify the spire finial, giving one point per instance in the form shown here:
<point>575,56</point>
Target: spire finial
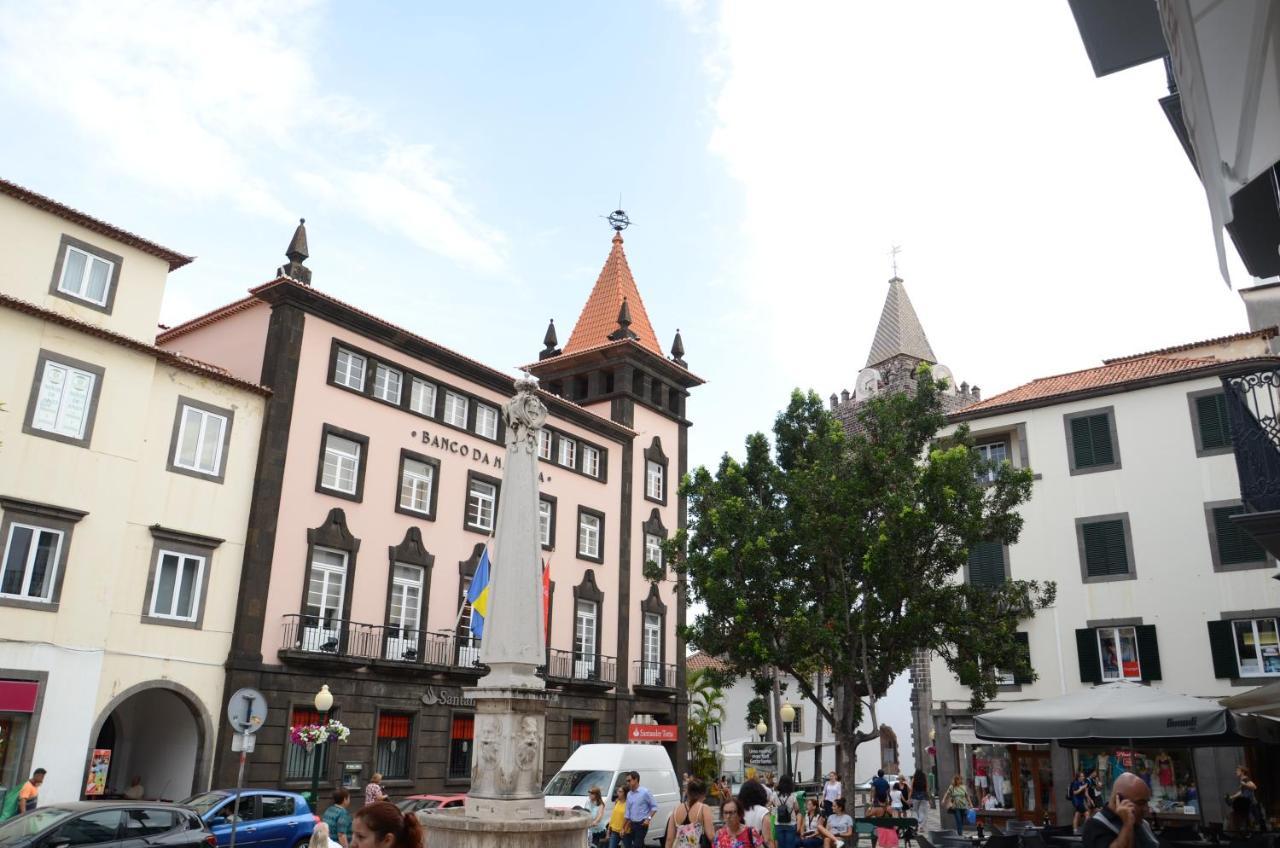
<point>297,253</point>
<point>894,250</point>
<point>624,330</point>
<point>677,350</point>
<point>549,342</point>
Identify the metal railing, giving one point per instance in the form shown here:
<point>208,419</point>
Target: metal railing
<point>1253,410</point>
<point>308,634</point>
<point>653,675</point>
<point>567,666</point>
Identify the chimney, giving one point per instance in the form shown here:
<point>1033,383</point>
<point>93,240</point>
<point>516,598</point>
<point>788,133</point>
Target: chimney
<point>1262,306</point>
<point>975,393</point>
<point>834,400</point>
<point>964,389</point>
<point>844,395</point>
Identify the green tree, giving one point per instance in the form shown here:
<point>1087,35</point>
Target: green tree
<point>840,554</point>
<point>706,708</point>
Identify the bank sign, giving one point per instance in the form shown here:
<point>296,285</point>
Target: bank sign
<point>653,733</point>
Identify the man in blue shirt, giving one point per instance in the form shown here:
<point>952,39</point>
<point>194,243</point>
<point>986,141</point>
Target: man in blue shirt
<point>880,788</point>
<point>640,810</point>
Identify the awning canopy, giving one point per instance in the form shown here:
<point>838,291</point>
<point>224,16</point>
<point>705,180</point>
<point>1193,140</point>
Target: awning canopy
<point>966,736</point>
<point>1264,701</point>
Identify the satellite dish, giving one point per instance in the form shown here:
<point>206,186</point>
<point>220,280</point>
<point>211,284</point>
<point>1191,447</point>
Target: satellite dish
<point>942,372</point>
<point>867,384</point>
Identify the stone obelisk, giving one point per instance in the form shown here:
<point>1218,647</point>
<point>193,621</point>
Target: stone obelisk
<point>505,799</point>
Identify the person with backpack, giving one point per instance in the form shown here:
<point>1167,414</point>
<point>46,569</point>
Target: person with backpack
<point>691,824</point>
<point>786,815</point>
<point>23,799</point>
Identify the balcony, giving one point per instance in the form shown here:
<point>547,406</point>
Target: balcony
<point>568,670</point>
<point>651,678</point>
<point>1253,411</point>
<point>308,639</point>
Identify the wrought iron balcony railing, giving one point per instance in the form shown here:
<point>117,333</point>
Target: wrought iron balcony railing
<point>653,675</point>
<point>308,636</point>
<point>567,667</point>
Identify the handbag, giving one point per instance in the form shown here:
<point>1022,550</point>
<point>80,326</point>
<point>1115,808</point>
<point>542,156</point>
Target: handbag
<point>972,816</point>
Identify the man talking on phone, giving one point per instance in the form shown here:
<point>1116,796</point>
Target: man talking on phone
<point>1122,823</point>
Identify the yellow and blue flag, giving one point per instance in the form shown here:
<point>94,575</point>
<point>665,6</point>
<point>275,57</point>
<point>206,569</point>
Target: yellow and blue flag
<point>478,595</point>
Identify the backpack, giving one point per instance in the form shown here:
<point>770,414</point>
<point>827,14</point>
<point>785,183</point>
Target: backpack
<point>9,806</point>
<point>783,816</point>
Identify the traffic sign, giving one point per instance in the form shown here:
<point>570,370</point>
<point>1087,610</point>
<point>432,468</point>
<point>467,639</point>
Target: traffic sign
<point>245,742</point>
<point>247,710</point>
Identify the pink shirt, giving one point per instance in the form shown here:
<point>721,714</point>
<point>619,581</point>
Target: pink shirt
<point>372,794</point>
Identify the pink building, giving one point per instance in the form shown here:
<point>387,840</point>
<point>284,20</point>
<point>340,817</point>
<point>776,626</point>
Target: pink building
<point>379,476</point>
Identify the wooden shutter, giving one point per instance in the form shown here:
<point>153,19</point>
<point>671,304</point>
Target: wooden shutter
<point>1087,651</point>
<point>1091,440</point>
<point>1235,546</point>
<point>1148,651</point>
<point>1222,647</point>
<point>1105,553</point>
<point>1211,415</point>
<point>1024,639</point>
<point>986,564</point>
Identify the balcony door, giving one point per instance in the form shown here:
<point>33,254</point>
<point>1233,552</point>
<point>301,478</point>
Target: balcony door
<point>651,674</point>
<point>404,616</point>
<point>322,624</point>
<point>584,640</point>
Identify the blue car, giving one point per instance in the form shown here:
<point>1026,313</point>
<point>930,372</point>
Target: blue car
<point>267,818</point>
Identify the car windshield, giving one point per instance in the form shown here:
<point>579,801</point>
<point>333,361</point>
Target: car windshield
<point>577,782</point>
<point>204,802</point>
<point>18,829</point>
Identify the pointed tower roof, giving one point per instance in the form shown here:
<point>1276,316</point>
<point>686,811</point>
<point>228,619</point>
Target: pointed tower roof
<point>899,331</point>
<point>599,318</point>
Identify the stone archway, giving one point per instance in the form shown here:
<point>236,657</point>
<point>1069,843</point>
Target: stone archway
<point>159,731</point>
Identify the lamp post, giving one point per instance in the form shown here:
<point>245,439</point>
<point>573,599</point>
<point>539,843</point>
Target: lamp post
<point>762,729</point>
<point>788,714</point>
<point>323,702</point>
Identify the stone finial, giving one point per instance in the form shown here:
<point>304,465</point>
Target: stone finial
<point>964,389</point>
<point>834,400</point>
<point>549,342</point>
<point>677,349</point>
<point>624,330</point>
<point>844,395</point>
<point>297,253</point>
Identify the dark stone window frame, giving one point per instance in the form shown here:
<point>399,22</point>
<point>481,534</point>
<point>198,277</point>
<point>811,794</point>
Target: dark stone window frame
<point>653,526</point>
<point>496,482</point>
<point>550,499</point>
<point>329,752</point>
<point>410,551</point>
<point>430,514</point>
<point>1215,554</point>
<point>189,544</point>
<point>1148,645</point>
<point>587,590</point>
<point>1008,570</point>
<point>229,414</point>
<point>1197,438</point>
<point>99,375</point>
<point>451,779</point>
<point>1115,464</point>
<point>577,467</point>
<point>591,721</point>
<point>41,678</point>
<point>577,541</point>
<point>332,533</point>
<point>112,285</point>
<point>1226,621</point>
<point>48,516</point>
<point>654,453</point>
<point>414,717</point>
<point>652,604</point>
<point>327,430</point>
<point>1128,546</point>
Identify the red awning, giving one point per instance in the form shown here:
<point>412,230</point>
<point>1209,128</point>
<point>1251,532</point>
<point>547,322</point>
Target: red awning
<point>18,696</point>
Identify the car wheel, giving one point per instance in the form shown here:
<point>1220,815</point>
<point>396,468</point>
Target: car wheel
<point>301,843</point>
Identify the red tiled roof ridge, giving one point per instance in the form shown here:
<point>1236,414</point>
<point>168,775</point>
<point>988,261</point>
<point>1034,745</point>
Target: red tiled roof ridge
<point>177,360</point>
<point>701,659</point>
<point>48,204</point>
<point>599,315</point>
<point>1264,333</point>
<point>210,317</point>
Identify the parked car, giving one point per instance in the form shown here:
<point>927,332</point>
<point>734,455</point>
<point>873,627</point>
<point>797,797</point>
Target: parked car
<point>116,823</point>
<point>267,818</point>
<point>414,803</point>
<point>606,765</point>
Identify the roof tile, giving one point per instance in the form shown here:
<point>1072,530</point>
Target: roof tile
<point>599,316</point>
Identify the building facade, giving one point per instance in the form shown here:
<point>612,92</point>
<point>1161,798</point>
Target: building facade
<point>380,475</point>
<point>125,479</point>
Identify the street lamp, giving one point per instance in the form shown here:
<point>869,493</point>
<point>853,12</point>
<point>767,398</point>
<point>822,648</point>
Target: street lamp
<point>788,714</point>
<point>323,702</point>
<point>762,729</point>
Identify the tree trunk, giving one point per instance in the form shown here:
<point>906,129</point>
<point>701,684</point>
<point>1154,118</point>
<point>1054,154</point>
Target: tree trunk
<point>776,722</point>
<point>817,730</point>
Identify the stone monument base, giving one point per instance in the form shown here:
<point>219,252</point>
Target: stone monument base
<point>454,829</point>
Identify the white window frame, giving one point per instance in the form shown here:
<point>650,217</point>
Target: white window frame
<point>400,615</point>
<point>985,451</point>
<point>334,456</point>
<point>653,549</point>
<point>331,575</point>
<point>651,640</point>
<point>545,512</point>
<point>51,581</point>
<point>415,484</point>
<point>589,535</point>
<point>590,461</point>
<point>344,372</point>
<point>654,479</point>
<point>205,417</point>
<point>197,586</point>
<point>544,444</point>
<point>59,424</point>
<point>568,452</point>
<point>1259,662</point>
<point>482,505</point>
<point>80,292</point>
<point>586,631</point>
<point>453,403</point>
<point>419,392</point>
<point>384,386</point>
<point>1116,633</point>
<point>486,421</point>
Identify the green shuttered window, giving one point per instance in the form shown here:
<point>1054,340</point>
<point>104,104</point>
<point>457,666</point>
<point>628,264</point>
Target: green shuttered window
<point>1235,546</point>
<point>1105,552</point>
<point>986,564</point>
<point>1211,415</point>
<point>1091,441</point>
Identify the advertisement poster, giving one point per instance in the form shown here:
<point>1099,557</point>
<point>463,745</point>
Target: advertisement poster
<point>99,765</point>
<point>759,758</point>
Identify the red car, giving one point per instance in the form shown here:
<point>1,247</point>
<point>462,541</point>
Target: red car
<point>414,803</point>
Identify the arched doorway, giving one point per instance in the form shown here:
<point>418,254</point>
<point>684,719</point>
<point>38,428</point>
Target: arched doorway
<point>158,732</point>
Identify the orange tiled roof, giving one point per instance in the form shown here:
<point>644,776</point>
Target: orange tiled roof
<point>703,660</point>
<point>1264,333</point>
<point>599,316</point>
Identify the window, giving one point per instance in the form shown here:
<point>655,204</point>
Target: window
<point>584,639</point>
<point>993,454</point>
<point>175,591</point>
<point>653,549</point>
<point>87,274</point>
<point>32,555</point>
<point>568,452</point>
<point>1118,653</point>
<point>1233,547</point>
<point>148,821</point>
<point>590,461</point>
<point>417,481</point>
<point>348,369</point>
<point>276,806</point>
<point>797,723</point>
<point>581,732</point>
<point>63,400</point>
<point>386,383</point>
<point>341,464</point>
<point>1105,546</point>
<point>1209,422</point>
<point>486,421</point>
<point>422,397</point>
<point>544,444</point>
<point>392,754</point>
<point>89,829</point>
<point>546,522</point>
<point>986,564</point>
<point>652,644</point>
<point>460,736</point>
<point>405,612</point>
<point>589,535</point>
<point>653,480</point>
<point>1257,647</point>
<point>299,762</point>
<point>200,439</point>
<point>455,409</point>
<point>482,498</point>
<point>1091,441</point>
<point>326,595</point>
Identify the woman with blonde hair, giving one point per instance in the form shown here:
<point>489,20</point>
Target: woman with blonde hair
<point>320,837</point>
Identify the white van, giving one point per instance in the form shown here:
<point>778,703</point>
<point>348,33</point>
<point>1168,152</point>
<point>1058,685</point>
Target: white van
<point>606,766</point>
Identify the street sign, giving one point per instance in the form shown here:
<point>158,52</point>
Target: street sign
<point>247,710</point>
<point>243,742</point>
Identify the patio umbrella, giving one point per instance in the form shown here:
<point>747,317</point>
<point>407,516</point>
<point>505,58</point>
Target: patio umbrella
<point>1120,712</point>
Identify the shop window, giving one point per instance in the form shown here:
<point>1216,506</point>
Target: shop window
<point>988,774</point>
<point>581,732</point>
<point>1169,772</point>
<point>393,748</point>
<point>460,737</point>
<point>1122,652</point>
<point>299,762</point>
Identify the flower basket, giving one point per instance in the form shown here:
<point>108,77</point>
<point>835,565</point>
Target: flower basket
<point>310,735</point>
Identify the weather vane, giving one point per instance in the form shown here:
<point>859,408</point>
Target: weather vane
<point>893,256</point>
<point>618,220</point>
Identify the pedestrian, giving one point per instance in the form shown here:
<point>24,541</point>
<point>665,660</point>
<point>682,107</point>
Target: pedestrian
<point>920,797</point>
<point>1122,822</point>
<point>382,825</point>
<point>690,824</point>
<point>736,833</point>
<point>896,800</point>
<point>832,789</point>
<point>320,837</point>
<point>809,836</point>
<point>25,798</point>
<point>618,816</point>
<point>786,815</point>
<point>879,789</point>
<point>753,800</point>
<point>1079,795</point>
<point>1093,792</point>
<point>1245,809</point>
<point>958,802</point>
<point>640,811</point>
<point>135,790</point>
<point>839,827</point>
<point>595,806</point>
<point>338,818</point>
<point>373,790</point>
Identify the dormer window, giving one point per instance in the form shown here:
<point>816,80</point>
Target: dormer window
<point>86,274</point>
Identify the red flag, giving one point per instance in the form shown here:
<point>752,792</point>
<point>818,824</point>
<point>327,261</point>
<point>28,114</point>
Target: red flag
<point>546,599</point>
